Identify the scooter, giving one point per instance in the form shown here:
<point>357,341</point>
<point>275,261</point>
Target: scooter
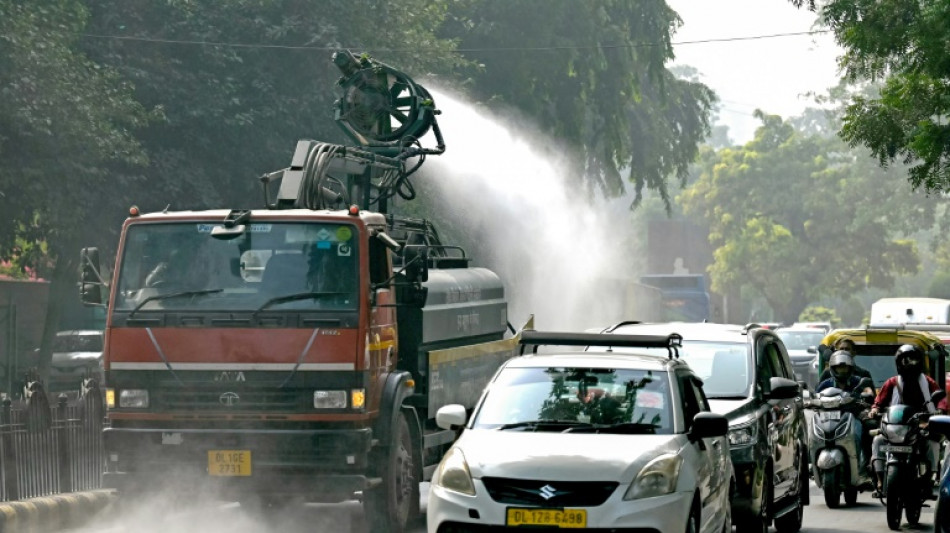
<point>908,482</point>
<point>835,457</point>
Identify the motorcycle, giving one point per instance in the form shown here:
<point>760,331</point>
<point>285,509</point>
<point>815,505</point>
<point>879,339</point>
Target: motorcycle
<point>835,456</point>
<point>908,481</point>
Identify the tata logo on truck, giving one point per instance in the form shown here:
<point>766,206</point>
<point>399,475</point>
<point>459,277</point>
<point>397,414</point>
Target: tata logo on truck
<point>231,377</point>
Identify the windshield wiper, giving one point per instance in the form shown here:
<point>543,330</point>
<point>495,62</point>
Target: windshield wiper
<point>172,295</point>
<point>297,296</point>
<point>623,427</point>
<point>537,423</point>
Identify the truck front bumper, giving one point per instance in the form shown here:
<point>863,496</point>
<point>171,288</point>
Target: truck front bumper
<point>317,465</point>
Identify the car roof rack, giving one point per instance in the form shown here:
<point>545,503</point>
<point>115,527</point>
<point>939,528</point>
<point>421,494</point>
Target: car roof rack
<point>672,342</point>
<point>613,328</point>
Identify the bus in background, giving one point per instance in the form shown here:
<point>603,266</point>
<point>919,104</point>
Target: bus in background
<point>894,311</point>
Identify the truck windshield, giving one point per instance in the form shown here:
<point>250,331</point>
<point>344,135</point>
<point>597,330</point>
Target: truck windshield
<point>267,262</point>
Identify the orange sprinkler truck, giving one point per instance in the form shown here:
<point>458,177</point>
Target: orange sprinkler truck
<point>299,351</point>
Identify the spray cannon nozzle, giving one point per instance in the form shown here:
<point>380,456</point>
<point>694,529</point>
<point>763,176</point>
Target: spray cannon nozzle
<point>346,62</point>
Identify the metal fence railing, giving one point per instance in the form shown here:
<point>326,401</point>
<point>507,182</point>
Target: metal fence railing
<point>48,450</point>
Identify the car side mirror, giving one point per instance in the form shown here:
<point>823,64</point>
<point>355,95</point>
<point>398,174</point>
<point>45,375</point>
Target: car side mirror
<point>706,425</point>
<point>939,424</point>
<point>451,417</point>
<point>782,389</point>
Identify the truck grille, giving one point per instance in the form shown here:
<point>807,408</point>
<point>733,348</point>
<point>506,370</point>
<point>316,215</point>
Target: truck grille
<point>237,400</point>
<point>559,493</point>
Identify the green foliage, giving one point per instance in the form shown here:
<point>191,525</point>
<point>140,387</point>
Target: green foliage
<point>592,77</point>
<point>940,285</point>
<point>903,44</point>
<point>65,124</point>
<point>817,313</point>
<point>798,218</point>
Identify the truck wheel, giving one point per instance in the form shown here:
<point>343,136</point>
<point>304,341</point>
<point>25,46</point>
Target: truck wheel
<point>392,505</point>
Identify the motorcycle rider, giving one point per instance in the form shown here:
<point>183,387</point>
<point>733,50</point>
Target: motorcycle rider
<point>909,387</point>
<point>847,345</point>
<point>843,374</point>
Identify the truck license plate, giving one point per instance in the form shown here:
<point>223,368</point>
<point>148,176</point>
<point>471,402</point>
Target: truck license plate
<point>573,518</point>
<point>229,462</point>
<point>896,449</point>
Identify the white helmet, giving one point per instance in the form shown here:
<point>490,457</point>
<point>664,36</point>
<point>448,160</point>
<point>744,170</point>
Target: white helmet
<point>841,365</point>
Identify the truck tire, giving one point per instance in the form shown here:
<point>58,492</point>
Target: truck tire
<point>391,506</point>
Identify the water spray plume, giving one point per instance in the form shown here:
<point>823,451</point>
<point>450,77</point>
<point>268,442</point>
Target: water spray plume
<point>564,258</point>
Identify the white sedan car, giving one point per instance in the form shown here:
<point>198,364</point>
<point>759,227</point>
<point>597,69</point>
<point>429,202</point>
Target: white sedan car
<point>586,440</point>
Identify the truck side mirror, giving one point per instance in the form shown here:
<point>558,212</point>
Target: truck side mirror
<point>417,269</point>
<point>90,279</point>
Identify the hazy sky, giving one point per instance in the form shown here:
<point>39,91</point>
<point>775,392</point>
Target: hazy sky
<point>769,74</point>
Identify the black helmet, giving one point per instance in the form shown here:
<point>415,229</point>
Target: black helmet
<point>909,360</point>
<point>841,364</point>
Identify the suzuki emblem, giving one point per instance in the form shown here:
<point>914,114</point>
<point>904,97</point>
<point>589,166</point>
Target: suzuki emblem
<point>547,492</point>
<point>229,399</point>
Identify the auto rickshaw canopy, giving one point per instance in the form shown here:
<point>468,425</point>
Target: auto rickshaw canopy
<point>874,350</point>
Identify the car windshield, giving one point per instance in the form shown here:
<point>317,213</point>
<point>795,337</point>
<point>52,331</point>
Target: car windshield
<point>181,266</point>
<point>801,340</point>
<point>91,342</point>
<point>559,399</point>
<point>723,366</point>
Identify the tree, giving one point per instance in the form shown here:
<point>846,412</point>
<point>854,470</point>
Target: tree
<point>67,126</point>
<point>901,43</point>
<point>594,77</point>
<point>797,218</point>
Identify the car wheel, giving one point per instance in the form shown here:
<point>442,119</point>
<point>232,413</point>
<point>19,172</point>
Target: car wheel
<point>692,524</point>
<point>792,521</point>
<point>760,522</point>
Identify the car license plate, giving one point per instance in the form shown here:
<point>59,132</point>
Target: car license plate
<point>229,462</point>
<point>517,516</point>
<point>830,415</point>
<point>896,449</point>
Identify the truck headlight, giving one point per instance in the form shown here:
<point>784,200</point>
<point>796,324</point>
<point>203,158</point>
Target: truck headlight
<point>453,473</point>
<point>133,398</point>
<point>658,477</point>
<point>329,399</point>
<point>742,435</point>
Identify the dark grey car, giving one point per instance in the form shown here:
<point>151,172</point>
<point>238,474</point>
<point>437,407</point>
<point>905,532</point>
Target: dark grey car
<point>747,376</point>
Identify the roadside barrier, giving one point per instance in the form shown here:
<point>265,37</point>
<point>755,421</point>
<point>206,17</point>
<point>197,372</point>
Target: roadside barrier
<point>52,513</point>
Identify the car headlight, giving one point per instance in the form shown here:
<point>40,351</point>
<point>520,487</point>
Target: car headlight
<point>742,435</point>
<point>329,399</point>
<point>658,477</point>
<point>133,398</point>
<point>453,473</point>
